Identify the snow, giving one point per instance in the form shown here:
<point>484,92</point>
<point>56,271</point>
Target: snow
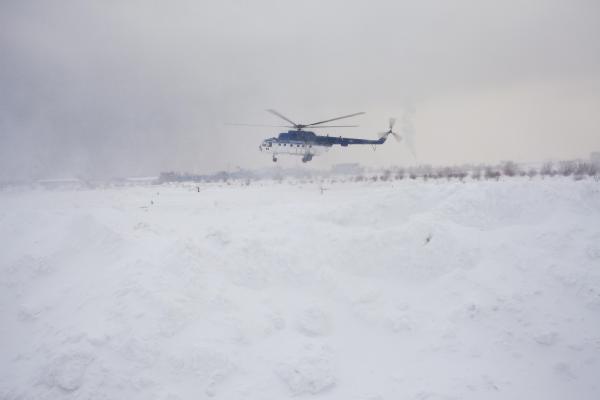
<point>410,289</point>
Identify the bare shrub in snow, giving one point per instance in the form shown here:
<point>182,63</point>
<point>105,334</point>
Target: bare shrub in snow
<point>386,175</point>
<point>476,172</point>
<point>439,173</point>
<point>594,170</point>
<point>548,169</point>
<point>532,173</point>
<point>462,171</point>
<point>509,168</point>
<point>447,173</point>
<point>566,168</point>
<point>426,171</point>
<point>491,173</point>
<point>461,174</point>
<point>583,168</point>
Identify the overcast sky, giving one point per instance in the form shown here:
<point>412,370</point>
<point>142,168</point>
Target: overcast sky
<point>123,88</point>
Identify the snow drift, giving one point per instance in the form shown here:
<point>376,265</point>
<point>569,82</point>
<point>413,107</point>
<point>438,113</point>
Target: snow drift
<point>417,290</point>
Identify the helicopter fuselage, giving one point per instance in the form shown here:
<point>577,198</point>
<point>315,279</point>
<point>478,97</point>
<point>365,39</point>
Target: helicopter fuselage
<point>308,144</point>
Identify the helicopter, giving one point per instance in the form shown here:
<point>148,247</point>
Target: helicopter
<point>307,144</point>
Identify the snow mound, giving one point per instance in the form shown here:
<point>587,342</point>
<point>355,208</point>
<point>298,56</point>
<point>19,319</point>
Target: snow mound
<point>307,376</point>
<point>418,290</point>
<point>68,372</point>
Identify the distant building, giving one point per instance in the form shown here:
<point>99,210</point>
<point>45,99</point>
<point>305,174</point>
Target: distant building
<point>67,183</point>
<point>347,169</point>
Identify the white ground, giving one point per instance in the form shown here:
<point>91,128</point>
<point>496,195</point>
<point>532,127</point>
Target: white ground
<point>274,291</point>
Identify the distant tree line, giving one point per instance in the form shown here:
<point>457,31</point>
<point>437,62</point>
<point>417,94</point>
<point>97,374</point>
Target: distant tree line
<point>577,169</point>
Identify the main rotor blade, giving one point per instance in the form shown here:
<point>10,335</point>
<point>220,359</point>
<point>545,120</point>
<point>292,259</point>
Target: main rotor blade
<point>335,119</point>
<point>260,125</point>
<point>274,112</point>
<point>334,126</point>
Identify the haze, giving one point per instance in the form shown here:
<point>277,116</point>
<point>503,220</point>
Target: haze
<point>101,89</point>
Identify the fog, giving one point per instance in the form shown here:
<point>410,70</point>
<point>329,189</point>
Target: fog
<point>102,89</point>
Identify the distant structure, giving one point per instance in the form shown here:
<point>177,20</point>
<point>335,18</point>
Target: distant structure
<point>595,157</point>
<point>67,183</point>
<point>347,169</point>
<point>142,179</point>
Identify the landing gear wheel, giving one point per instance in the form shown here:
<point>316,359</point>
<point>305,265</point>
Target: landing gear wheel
<point>274,159</point>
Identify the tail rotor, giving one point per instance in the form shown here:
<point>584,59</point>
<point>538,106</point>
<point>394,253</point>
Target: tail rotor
<point>407,132</point>
<point>390,131</point>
